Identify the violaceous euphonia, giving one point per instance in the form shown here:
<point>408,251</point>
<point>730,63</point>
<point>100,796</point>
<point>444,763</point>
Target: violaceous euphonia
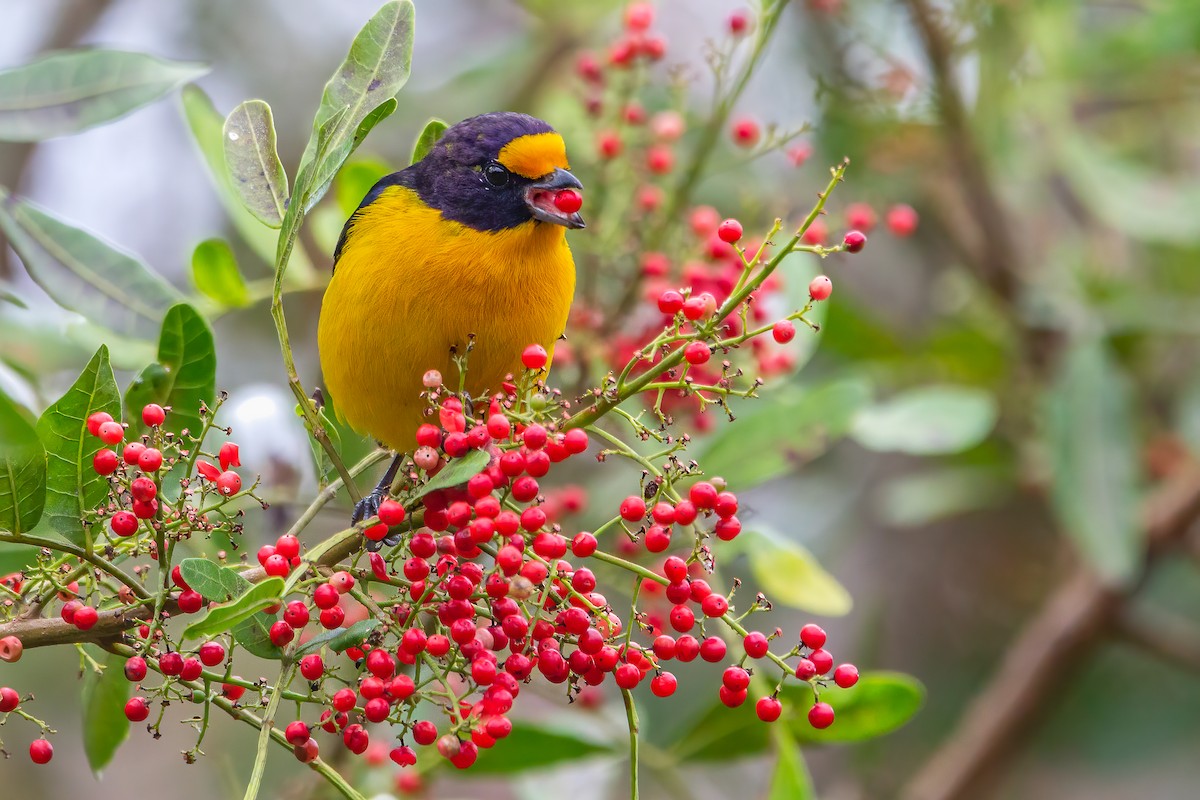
<point>468,240</point>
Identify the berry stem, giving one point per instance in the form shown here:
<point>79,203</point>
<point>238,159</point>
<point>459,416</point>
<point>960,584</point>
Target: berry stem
<point>632,716</point>
<point>264,732</point>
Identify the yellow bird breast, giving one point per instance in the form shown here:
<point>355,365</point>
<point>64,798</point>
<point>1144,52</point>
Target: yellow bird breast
<point>410,285</point>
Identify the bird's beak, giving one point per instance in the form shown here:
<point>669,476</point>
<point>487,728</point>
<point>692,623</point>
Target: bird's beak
<point>540,199</point>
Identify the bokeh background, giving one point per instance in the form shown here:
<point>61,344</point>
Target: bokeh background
<point>1050,151</point>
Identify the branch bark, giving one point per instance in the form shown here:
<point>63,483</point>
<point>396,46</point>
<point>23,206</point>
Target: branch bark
<point>1076,618</point>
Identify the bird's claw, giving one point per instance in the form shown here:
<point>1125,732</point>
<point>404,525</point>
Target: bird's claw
<point>369,507</point>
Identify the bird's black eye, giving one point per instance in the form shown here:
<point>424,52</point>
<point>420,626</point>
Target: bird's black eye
<point>496,175</point>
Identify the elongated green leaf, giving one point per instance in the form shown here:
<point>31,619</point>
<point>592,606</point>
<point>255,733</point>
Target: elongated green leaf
<point>254,636</point>
<point>219,619</point>
<point>931,420</point>
<point>532,746</point>
<point>104,724</point>
<point>215,273</point>
<point>22,470</point>
<point>790,575</point>
<point>790,780</point>
<point>183,377</point>
<point>1090,432</point>
<point>339,639</point>
<point>84,274</point>
<point>15,557</point>
<point>72,487</point>
<point>430,134</point>
<point>71,91</point>
<point>458,471</point>
<point>215,583</point>
<point>785,429</point>
<point>207,125</point>
<point>926,497</point>
<point>375,69</point>
<point>880,703</point>
<point>13,299</point>
<point>254,167</point>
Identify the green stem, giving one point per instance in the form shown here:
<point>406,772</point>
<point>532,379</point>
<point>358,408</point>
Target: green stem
<point>264,733</point>
<point>66,547</point>
<point>632,715</point>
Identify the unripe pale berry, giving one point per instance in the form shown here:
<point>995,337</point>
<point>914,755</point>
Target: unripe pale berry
<point>820,288</point>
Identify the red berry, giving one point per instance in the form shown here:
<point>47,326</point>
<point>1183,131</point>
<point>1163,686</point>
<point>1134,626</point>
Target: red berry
<point>755,644</point>
<point>424,732</point>
<point>663,685</point>
<point>820,288</point>
<point>675,569</point>
<point>85,617</point>
<point>131,452</point>
<point>730,231</point>
<point>568,201</point>
<point>902,220</point>
<point>190,602</point>
<point>534,357</point>
<point>860,217</point>
<point>171,664</point>
<point>670,302</point>
<point>41,751</point>
<point>703,495</point>
<point>342,581</point>
<point>136,709</point>
<point>9,699</point>
<point>735,678</point>
<point>95,420</point>
<point>376,533</point>
<point>699,306</point>
<point>150,460</point>
<point>287,546</point>
<point>697,353</point>
<point>746,132</point>
<point>682,618</point>
<point>105,462</point>
<point>135,669</point>
<point>854,241</point>
<point>728,529</point>
<point>732,697</point>
<point>657,539</point>
<point>325,596</point>
<point>356,739</point>
<point>211,653</point>
<point>820,716</point>
<point>123,523</point>
<point>277,566</point>
<point>111,432</point>
<point>281,634</point>
<point>229,483</point>
<point>633,508</point>
<point>812,636</point>
<point>660,159</point>
<point>768,709</point>
<point>822,660</point>
<point>739,22</point>
<point>712,649</point>
<point>153,414</point>
<point>576,442</point>
<point>627,676</point>
<point>296,614</point>
<point>583,545</point>
<point>639,16</point>
<point>846,675</point>
<point>783,331</point>
<point>296,733</point>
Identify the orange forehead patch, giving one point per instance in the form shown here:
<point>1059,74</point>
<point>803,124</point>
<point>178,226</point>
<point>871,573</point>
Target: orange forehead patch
<point>534,155</point>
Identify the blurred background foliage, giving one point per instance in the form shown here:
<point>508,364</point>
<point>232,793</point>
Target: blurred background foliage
<point>990,404</point>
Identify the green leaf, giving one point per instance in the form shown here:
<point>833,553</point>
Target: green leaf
<point>790,780</point>
<point>1093,458</point>
<point>358,96</point>
<point>786,429</point>
<point>84,274</point>
<point>532,746</point>
<point>339,639</point>
<point>70,91</point>
<point>880,703</point>
<point>254,636</point>
<point>215,273</point>
<point>354,181</point>
<point>458,471</point>
<point>216,583</point>
<point>22,469</point>
<point>253,162</point>
<point>184,376</point>
<point>430,134</point>
<point>13,299</point>
<point>788,574</point>
<point>219,619</point>
<point>15,557</point>
<point>104,724</point>
<point>930,420</point>
<point>207,127</point>
<point>73,489</point>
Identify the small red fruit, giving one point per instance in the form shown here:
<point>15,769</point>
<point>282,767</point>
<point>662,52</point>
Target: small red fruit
<point>768,709</point>
<point>9,699</point>
<point>85,617</point>
<point>41,751</point>
<point>820,288</point>
<point>730,231</point>
<point>95,420</point>
<point>822,660</point>
<point>111,433</point>
<point>902,220</point>
<point>783,331</point>
<point>669,302</point>
<point>633,508</point>
<point>312,667</point>
<point>123,523</point>
<point>105,462</point>
<point>812,636</point>
<point>846,675</point>
<point>150,460</point>
<point>153,414</point>
<point>755,644</point>
<point>136,709</point>
<point>568,201</point>
<point>11,649</point>
<point>296,733</point>
<point>211,653</point>
<point>663,685</point>
<point>229,456</point>
<point>854,241</point>
<point>534,357</point>
<point>820,716</point>
<point>135,669</point>
<point>697,353</point>
<point>229,483</point>
<point>745,132</point>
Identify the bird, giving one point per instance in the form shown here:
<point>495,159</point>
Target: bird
<point>466,243</point>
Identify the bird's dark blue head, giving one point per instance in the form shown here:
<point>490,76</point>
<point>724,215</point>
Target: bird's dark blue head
<point>494,172</point>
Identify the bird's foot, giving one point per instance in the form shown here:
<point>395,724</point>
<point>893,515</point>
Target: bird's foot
<point>369,507</point>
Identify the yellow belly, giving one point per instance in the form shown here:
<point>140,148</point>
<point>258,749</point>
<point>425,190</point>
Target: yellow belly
<point>410,285</point>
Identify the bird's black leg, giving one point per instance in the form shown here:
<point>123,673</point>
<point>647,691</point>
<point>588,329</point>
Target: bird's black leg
<point>369,505</point>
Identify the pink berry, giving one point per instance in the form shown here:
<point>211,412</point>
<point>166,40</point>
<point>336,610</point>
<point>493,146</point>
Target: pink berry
<point>902,220</point>
<point>746,132</point>
<point>820,288</point>
<point>729,231</point>
<point>854,241</point>
<point>783,331</point>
